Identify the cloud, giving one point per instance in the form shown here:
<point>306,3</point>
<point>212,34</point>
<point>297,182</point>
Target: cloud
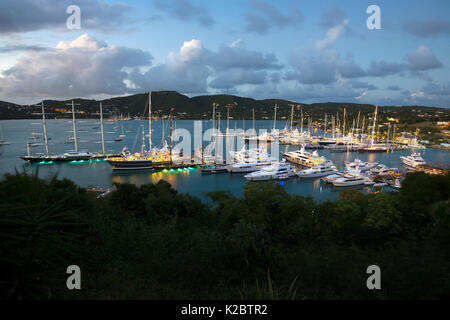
<point>332,35</point>
<point>433,88</point>
<point>313,67</point>
<point>383,68</point>
<point>237,56</point>
<point>361,85</point>
<point>235,76</point>
<point>183,71</point>
<point>184,10</point>
<point>264,16</point>
<point>332,17</point>
<point>88,67</point>
<point>33,15</point>
<point>393,88</point>
<point>20,47</point>
<point>82,67</point>
<point>422,59</point>
<point>427,28</point>
<point>322,64</point>
<point>194,68</point>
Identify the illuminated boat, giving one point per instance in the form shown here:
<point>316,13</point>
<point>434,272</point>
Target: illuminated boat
<point>304,158</point>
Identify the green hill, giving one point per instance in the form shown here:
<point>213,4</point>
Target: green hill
<point>200,107</point>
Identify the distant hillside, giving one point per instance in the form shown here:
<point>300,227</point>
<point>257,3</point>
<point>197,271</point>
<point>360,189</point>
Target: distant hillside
<point>200,107</point>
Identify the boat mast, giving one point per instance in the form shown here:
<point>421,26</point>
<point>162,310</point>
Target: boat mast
<point>388,133</point>
<point>215,153</point>
<point>101,128</point>
<point>74,128</point>
<point>357,123</point>
<point>301,125</point>
<point>150,121</point>
<point>374,123</point>
<point>325,129</point>
<point>343,124</point>
<point>275,116</point>
<point>213,116</point>
<point>332,125</point>
<point>163,132</point>
<point>292,116</point>
<point>362,127</point>
<point>170,136</point>
<point>393,136</point>
<point>44,123</point>
<point>143,140</point>
<point>254,121</point>
<point>228,117</point>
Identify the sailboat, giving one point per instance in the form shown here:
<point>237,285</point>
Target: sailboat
<point>144,159</point>
<point>67,156</point>
<point>215,168</point>
<point>374,147</point>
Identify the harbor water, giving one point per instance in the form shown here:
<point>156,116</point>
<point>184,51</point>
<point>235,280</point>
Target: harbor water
<point>99,174</point>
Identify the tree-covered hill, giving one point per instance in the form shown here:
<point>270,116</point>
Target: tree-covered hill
<point>200,107</point>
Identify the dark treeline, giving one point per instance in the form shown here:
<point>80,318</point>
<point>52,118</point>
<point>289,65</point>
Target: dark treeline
<point>154,243</point>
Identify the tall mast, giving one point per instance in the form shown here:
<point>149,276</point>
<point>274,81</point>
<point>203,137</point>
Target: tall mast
<point>101,128</point>
<point>143,140</point>
<point>362,127</point>
<point>215,155</point>
<point>254,121</point>
<point>374,123</point>
<point>388,133</point>
<point>170,136</point>
<point>332,125</point>
<point>213,115</point>
<point>150,121</point>
<point>301,126</point>
<point>163,132</point>
<point>228,117</point>
<point>357,123</point>
<point>44,123</point>
<point>275,116</point>
<point>292,116</point>
<point>74,128</point>
<point>325,129</point>
<point>343,124</point>
<point>393,136</point>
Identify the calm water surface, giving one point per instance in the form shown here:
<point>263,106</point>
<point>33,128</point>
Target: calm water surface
<point>17,132</point>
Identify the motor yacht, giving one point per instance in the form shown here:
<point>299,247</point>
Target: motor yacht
<point>325,169</point>
<point>350,179</point>
<point>278,171</point>
<point>304,158</point>
<point>360,165</point>
<point>414,160</point>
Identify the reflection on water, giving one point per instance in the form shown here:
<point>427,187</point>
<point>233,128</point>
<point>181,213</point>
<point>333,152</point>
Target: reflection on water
<point>316,184</point>
<point>141,177</point>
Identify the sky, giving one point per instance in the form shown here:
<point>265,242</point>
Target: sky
<point>306,51</point>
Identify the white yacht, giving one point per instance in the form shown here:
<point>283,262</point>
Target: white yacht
<point>414,160</point>
<point>360,165</point>
<point>331,177</point>
<point>304,158</point>
<point>381,169</point>
<point>325,169</point>
<point>281,170</point>
<point>250,165</point>
<point>350,179</point>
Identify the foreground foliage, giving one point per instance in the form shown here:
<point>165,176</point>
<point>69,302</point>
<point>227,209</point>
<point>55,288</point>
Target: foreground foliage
<point>151,242</point>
